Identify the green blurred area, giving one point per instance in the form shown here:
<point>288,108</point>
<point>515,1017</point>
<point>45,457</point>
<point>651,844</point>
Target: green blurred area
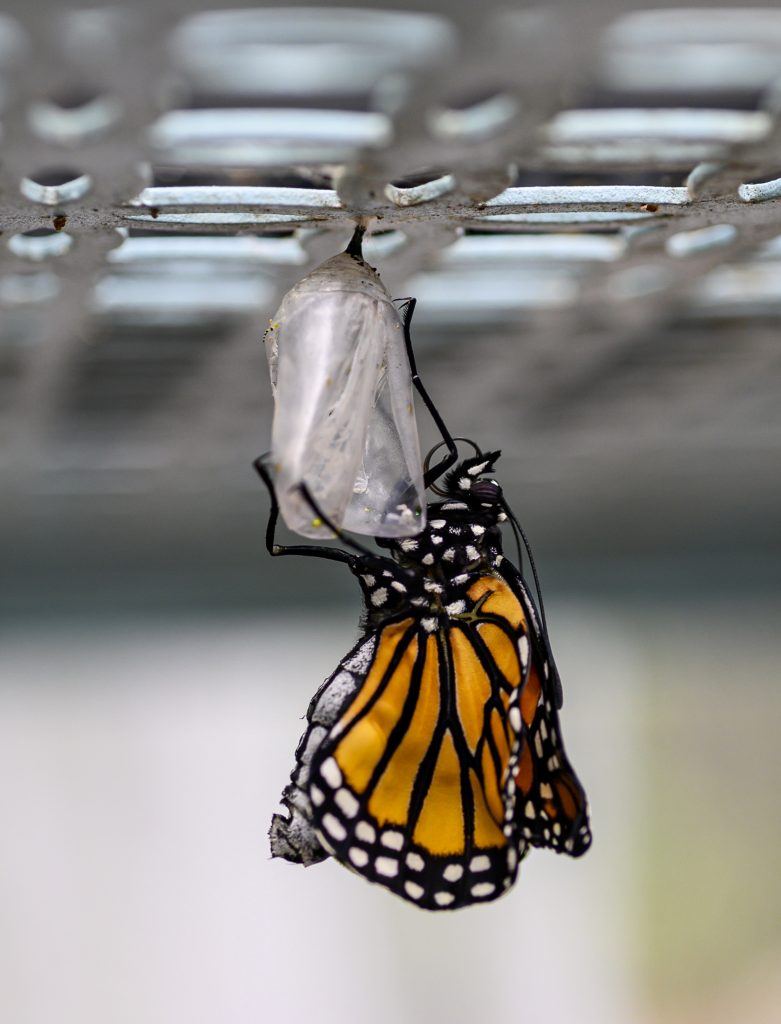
<point>709,846</point>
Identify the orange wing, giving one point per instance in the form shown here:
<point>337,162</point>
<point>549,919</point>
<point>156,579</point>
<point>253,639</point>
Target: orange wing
<point>551,805</point>
<point>413,786</point>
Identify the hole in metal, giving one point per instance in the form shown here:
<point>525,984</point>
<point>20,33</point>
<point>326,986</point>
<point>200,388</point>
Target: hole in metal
<point>53,186</point>
<point>40,244</point>
<point>479,120</point>
<point>692,243</point>
<point>72,119</point>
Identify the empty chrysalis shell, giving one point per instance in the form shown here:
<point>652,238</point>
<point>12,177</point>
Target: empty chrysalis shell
<point>344,417</point>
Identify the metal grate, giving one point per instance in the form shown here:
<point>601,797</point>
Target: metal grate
<point>586,202</point>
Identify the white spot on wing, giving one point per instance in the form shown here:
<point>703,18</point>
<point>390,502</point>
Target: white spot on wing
<point>456,608</point>
<point>365,832</point>
<point>387,866</point>
<point>414,890</point>
<point>334,827</point>
<point>360,858</point>
<point>379,596</point>
<point>452,872</point>
<point>429,625</point>
<point>346,802</point>
<point>329,769</point>
<point>393,840</point>
<point>438,524</point>
<point>483,889</point>
<point>523,649</point>
<point>480,863</point>
<point>515,719</point>
<point>316,795</point>
<point>415,862</point>
<point>444,899</point>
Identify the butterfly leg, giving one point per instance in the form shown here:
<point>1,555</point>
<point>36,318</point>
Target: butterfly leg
<point>435,472</point>
<point>275,549</point>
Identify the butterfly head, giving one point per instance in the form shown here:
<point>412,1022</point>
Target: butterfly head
<point>471,481</point>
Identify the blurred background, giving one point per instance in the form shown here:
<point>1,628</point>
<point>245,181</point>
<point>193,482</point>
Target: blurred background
<point>586,201</point>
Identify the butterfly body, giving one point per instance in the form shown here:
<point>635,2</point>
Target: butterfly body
<point>432,758</point>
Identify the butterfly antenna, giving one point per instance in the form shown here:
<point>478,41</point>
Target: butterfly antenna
<point>519,532</point>
<point>432,474</point>
<point>518,545</point>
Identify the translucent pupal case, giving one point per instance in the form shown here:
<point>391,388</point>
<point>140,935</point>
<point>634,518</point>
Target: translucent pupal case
<point>344,416</point>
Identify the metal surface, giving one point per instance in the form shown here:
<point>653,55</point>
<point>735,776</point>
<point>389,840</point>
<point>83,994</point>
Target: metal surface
<point>584,200</point>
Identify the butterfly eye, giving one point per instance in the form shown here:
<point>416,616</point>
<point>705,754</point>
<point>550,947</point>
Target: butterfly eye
<point>486,490</point>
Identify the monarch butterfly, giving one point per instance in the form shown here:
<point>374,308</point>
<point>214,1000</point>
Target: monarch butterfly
<point>432,758</point>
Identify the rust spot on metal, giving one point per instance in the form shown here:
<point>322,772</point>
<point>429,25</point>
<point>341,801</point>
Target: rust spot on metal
<point>59,221</point>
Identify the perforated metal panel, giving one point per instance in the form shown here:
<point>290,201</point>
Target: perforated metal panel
<point>585,201</point>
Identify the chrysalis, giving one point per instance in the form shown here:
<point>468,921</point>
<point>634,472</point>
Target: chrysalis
<point>344,418</point>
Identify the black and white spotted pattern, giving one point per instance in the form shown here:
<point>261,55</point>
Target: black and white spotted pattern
<point>292,834</point>
<point>385,856</point>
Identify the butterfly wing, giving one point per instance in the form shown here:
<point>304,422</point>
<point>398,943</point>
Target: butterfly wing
<point>411,788</point>
<point>292,834</point>
<point>551,804</point>
<point>432,760</point>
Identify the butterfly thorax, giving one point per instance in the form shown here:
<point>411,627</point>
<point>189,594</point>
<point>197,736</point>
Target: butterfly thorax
<point>431,574</point>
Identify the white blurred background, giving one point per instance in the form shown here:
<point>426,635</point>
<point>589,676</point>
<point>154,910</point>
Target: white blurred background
<point>140,762</point>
